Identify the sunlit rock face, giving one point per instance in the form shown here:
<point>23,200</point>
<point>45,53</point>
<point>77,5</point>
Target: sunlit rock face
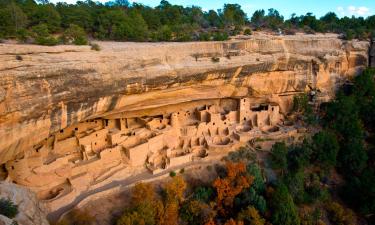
<point>30,210</point>
<point>46,89</point>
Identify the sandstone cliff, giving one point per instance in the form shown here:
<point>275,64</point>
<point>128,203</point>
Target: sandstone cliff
<point>30,210</point>
<point>45,89</point>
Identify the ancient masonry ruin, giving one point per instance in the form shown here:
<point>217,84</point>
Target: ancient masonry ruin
<point>90,152</point>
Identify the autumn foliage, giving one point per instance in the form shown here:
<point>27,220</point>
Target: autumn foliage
<point>229,187</point>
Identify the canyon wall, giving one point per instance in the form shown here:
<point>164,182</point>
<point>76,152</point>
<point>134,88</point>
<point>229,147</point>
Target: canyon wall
<point>46,89</point>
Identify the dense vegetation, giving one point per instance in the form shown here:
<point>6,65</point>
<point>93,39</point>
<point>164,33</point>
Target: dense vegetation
<point>49,24</point>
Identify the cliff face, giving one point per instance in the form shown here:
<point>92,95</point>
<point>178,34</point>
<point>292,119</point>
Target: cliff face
<point>372,54</point>
<point>30,210</point>
<point>45,89</point>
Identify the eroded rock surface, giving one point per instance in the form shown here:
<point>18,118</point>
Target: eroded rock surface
<point>45,89</point>
<point>31,211</point>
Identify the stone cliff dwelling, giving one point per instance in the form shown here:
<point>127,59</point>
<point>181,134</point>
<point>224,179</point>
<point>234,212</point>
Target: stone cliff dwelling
<point>90,152</point>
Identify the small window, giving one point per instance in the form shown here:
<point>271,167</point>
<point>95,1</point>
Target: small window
<point>244,118</point>
<point>12,167</point>
<point>95,143</point>
<point>272,108</point>
<point>214,124</point>
<point>76,128</point>
<point>61,131</point>
<point>96,134</point>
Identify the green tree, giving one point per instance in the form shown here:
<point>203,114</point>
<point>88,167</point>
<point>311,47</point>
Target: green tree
<point>284,211</point>
<point>75,34</point>
<point>278,157</point>
<point>42,35</point>
<point>259,19</point>
<point>274,19</point>
<point>46,14</point>
<point>325,149</point>
<point>233,15</point>
<point>13,19</point>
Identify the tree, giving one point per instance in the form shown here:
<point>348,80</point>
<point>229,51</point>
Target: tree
<point>283,209</point>
<point>251,216</point>
<point>75,34</point>
<point>338,215</point>
<point>13,19</point>
<point>46,14</point>
<point>233,15</point>
<point>299,157</point>
<point>325,149</point>
<point>274,19</point>
<point>213,19</point>
<point>196,212</point>
<point>258,19</point>
<point>42,35</point>
<point>229,187</point>
<point>175,189</point>
<point>145,208</point>
<point>296,185</point>
<point>278,157</point>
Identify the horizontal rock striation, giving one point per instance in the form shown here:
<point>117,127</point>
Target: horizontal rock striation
<point>45,89</point>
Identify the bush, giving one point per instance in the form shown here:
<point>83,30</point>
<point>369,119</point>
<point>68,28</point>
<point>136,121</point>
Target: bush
<point>42,35</point>
<point>338,215</point>
<point>349,35</point>
<point>76,217</point>
<point>74,34</point>
<point>8,208</point>
<point>220,36</point>
<point>278,157</point>
<point>215,59</point>
<point>95,47</point>
<point>22,35</point>
<point>247,32</point>
<point>172,174</point>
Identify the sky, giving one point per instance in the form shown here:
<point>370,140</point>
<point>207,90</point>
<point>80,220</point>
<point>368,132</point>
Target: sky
<point>285,7</point>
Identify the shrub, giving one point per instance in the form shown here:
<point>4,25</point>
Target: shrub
<point>247,32</point>
<point>42,35</point>
<point>220,36</point>
<point>278,158</point>
<point>182,170</point>
<point>215,59</point>
<point>349,35</point>
<point>8,208</point>
<point>74,34</point>
<point>172,174</point>
<point>338,215</point>
<point>95,47</point>
<point>22,35</point>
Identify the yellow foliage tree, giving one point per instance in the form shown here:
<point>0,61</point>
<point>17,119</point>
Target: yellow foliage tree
<point>229,187</point>
<point>251,215</point>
